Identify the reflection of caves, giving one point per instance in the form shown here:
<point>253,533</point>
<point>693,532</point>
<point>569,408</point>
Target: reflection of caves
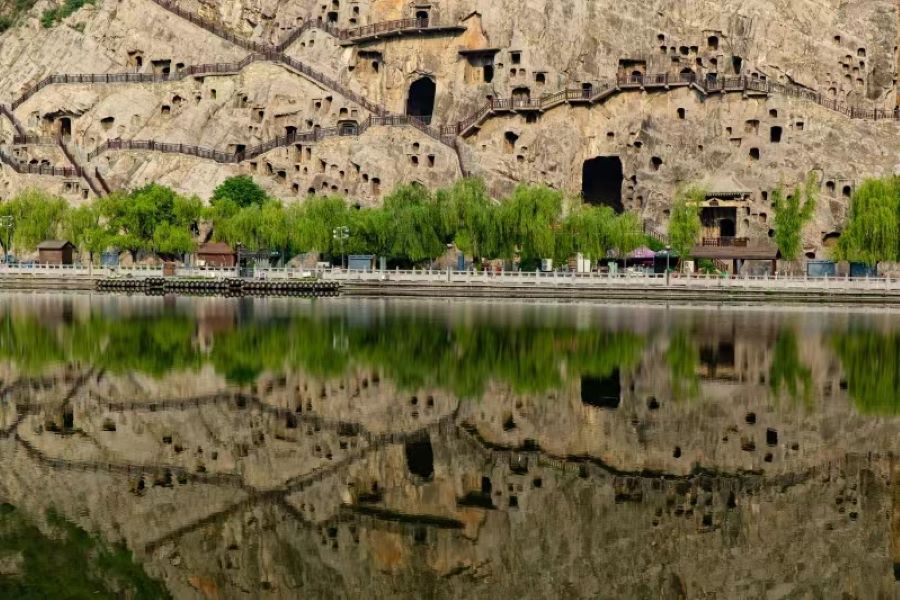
<point>717,361</point>
<point>605,392</point>
<point>420,458</point>
<point>601,182</point>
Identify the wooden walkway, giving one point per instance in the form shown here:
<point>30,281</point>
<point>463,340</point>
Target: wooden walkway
<point>369,33</point>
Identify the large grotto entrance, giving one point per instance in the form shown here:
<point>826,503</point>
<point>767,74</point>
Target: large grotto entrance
<point>601,182</point>
<point>420,102</point>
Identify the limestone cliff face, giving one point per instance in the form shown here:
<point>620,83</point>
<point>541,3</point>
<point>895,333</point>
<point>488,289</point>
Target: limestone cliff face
<point>740,140</point>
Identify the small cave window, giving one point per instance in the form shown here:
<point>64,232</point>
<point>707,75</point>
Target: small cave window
<point>754,153</point>
<point>540,78</point>
<point>332,17</point>
<point>847,191</point>
<point>712,42</point>
<point>682,113</point>
<point>516,58</point>
<point>488,73</point>
<point>655,163</point>
<point>509,141</point>
<point>775,134</point>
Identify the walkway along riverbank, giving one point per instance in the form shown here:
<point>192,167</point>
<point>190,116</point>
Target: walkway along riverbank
<point>452,284</point>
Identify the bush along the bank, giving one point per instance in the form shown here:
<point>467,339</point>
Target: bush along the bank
<point>412,227</point>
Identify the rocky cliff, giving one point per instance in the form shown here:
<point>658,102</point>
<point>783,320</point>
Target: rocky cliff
<point>620,101</point>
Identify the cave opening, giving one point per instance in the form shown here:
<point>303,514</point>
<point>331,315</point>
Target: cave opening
<point>420,458</point>
<point>601,182</point>
<point>602,392</point>
<point>65,127</point>
<point>420,102</point>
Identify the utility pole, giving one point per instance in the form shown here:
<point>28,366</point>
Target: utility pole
<point>340,235</point>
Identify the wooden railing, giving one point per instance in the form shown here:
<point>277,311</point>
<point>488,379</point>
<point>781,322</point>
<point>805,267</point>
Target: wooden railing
<point>252,152</point>
<point>363,31</point>
<point>20,167</point>
<point>599,90</point>
<point>727,242</point>
<point>79,168</point>
<point>271,53</point>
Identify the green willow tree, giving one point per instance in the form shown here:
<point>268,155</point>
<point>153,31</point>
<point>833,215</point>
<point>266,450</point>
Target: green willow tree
<point>37,217</point>
<point>872,234</point>
<point>468,217</point>
<point>413,218</point>
<point>684,220</point>
<point>588,229</point>
<point>792,213</point>
<point>83,227</point>
<point>528,219</point>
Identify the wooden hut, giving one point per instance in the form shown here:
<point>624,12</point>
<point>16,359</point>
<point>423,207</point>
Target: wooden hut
<point>56,252</point>
<point>216,254</point>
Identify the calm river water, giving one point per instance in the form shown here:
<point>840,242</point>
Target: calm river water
<point>253,448</point>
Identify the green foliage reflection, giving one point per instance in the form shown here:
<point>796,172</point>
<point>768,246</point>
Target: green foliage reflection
<point>871,363</point>
<point>788,373</point>
<point>410,352</point>
<point>60,560</point>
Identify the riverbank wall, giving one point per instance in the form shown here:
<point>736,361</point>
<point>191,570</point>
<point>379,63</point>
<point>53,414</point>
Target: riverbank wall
<point>446,284</point>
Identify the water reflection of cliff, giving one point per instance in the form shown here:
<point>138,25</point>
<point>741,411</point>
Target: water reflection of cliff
<point>614,453</point>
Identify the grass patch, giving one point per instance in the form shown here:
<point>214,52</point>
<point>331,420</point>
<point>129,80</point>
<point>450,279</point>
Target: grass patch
<point>52,16</point>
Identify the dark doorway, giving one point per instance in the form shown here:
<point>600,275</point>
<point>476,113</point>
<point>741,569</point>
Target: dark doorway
<point>601,182</point>
<point>420,458</point>
<point>488,73</point>
<point>727,228</point>
<point>420,102</point>
<point>602,392</point>
<point>717,360</point>
<point>422,18</point>
<point>65,127</point>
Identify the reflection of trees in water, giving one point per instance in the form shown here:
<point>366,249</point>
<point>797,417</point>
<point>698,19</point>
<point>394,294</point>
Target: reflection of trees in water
<point>154,346</point>
<point>683,358</point>
<point>461,358</point>
<point>871,361</point>
<point>788,373</point>
<point>61,560</point>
